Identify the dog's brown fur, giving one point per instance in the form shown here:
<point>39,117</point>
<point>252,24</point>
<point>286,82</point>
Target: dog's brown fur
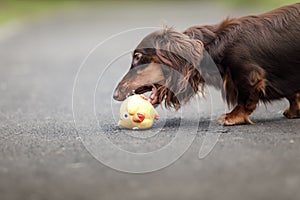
<point>258,58</point>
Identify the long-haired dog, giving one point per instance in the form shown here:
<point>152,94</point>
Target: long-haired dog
<point>257,58</point>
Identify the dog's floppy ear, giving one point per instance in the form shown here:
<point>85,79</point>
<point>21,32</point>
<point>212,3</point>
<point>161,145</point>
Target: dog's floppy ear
<point>175,48</point>
<point>183,56</point>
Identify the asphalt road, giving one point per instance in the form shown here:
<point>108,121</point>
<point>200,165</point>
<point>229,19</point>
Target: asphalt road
<point>43,155</point>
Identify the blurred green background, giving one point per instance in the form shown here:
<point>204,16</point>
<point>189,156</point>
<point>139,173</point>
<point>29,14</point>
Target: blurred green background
<point>16,9</point>
<point>20,9</point>
<point>260,3</point>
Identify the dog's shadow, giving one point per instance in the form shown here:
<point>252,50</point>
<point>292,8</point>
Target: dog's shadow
<point>204,125</point>
<point>177,121</point>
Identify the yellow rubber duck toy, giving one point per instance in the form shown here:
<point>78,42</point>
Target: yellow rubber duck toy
<point>137,112</point>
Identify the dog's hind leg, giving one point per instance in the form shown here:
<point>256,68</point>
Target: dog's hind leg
<point>294,110</point>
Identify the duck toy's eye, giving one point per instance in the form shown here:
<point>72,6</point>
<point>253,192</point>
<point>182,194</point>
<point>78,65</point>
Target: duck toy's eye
<point>125,115</point>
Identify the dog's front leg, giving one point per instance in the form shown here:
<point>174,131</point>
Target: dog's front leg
<point>247,100</point>
<point>239,115</point>
<point>248,96</point>
<point>294,110</point>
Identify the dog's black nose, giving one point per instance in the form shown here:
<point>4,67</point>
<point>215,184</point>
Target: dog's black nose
<point>116,95</point>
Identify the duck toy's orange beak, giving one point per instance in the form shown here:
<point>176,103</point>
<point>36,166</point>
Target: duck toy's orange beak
<point>138,117</point>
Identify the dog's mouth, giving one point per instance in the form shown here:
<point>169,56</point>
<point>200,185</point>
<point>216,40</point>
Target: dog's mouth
<point>153,97</point>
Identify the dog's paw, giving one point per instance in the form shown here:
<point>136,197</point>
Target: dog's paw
<point>291,114</point>
<point>230,119</point>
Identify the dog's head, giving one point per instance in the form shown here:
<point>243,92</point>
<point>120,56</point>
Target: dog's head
<point>166,62</point>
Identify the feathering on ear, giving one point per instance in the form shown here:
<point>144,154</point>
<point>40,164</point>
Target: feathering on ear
<point>183,56</point>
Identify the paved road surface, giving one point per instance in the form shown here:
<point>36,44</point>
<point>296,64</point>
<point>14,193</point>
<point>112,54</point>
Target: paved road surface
<point>41,153</point>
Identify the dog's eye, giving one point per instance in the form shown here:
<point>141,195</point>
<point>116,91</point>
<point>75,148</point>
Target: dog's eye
<point>137,57</point>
